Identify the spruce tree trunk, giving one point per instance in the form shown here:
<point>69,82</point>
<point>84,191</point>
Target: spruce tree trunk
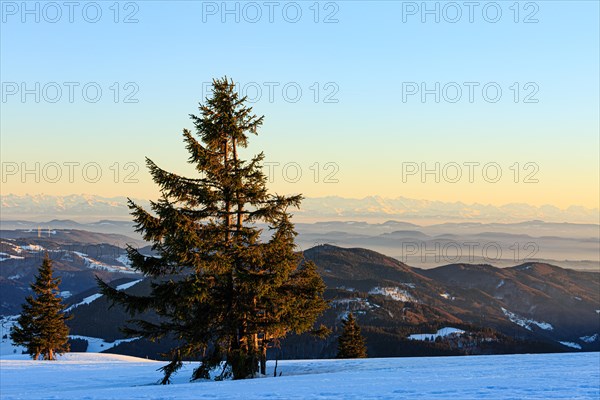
<point>227,199</point>
<point>263,360</point>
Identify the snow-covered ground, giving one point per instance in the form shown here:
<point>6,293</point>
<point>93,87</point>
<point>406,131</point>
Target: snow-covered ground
<point>6,345</point>
<point>104,376</point>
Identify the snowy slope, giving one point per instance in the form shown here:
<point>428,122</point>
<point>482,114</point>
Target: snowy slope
<point>440,333</point>
<point>8,349</point>
<point>96,345</point>
<point>542,376</point>
<point>96,296</point>
<point>525,322</point>
<point>6,345</point>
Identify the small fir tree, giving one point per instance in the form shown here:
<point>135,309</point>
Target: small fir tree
<point>41,327</point>
<point>351,343</point>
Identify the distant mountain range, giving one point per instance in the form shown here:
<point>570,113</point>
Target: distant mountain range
<point>373,209</point>
<point>78,207</point>
<point>570,245</point>
<point>574,246</point>
<point>529,307</point>
<point>532,300</point>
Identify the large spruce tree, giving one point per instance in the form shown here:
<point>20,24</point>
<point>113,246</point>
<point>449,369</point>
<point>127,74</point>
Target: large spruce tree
<point>41,327</point>
<point>351,343</point>
<point>220,291</point>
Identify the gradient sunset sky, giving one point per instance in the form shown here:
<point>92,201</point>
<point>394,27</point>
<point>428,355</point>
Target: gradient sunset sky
<point>360,129</point>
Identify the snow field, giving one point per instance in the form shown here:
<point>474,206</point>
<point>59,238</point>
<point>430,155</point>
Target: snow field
<point>103,376</point>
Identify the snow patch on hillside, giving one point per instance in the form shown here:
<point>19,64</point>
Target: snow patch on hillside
<point>6,256</point>
<point>356,305</point>
<point>96,296</point>
<point>395,293</point>
<point>97,345</point>
<point>86,300</point>
<point>447,331</point>
<point>33,248</point>
<point>128,284</point>
<point>16,248</point>
<point>95,264</point>
<point>525,322</point>
<point>124,259</point>
<point>358,301</point>
<point>571,344</point>
<point>590,339</point>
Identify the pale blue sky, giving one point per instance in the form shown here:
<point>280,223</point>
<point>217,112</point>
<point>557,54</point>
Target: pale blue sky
<point>366,56</point>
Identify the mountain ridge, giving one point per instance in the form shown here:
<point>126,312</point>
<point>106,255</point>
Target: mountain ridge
<point>529,301</point>
<point>393,300</point>
<point>314,208</point>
